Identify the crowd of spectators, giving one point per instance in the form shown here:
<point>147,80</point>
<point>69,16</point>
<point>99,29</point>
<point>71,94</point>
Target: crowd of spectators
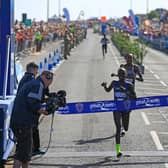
<point>155,31</point>
<point>29,39</point>
<point>32,38</point>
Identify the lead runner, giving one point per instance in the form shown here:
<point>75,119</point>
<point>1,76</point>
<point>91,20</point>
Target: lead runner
<point>122,91</point>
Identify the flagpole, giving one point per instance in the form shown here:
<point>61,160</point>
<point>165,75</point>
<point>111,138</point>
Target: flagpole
<point>48,9</point>
<point>130,4</point>
<point>59,8</point>
<point>147,6</point>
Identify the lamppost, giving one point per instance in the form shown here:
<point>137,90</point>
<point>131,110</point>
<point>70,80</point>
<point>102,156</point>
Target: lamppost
<point>48,9</point>
<point>59,8</point>
<point>130,4</point>
<point>147,6</point>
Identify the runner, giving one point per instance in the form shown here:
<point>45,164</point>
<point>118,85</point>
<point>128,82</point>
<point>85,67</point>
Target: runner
<point>104,41</point>
<point>122,91</point>
<point>132,70</point>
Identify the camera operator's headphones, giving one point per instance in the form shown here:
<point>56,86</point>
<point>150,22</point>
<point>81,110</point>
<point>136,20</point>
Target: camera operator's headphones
<point>49,75</point>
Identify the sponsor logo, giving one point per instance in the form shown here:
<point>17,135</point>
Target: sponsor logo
<point>148,102</point>
<point>104,106</point>
<point>79,107</point>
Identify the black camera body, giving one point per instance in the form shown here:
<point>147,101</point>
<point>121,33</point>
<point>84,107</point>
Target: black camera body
<point>55,100</point>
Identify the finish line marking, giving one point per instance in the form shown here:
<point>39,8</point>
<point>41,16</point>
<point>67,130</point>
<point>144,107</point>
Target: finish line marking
<point>156,140</point>
<point>105,154</point>
<point>145,118</point>
<point>163,83</point>
<point>156,76</point>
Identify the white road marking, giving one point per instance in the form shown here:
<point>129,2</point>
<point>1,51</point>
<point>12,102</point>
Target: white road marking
<point>166,165</point>
<point>164,114</point>
<point>116,60</point>
<point>156,76</point>
<point>105,154</point>
<point>159,122</point>
<point>146,88</point>
<point>155,114</point>
<point>151,71</point>
<point>156,140</point>
<point>145,118</point>
<point>151,84</point>
<point>146,67</point>
<point>163,83</point>
<point>165,146</point>
<point>163,133</point>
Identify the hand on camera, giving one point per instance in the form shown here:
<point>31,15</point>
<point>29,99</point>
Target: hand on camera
<point>41,111</point>
<point>113,74</point>
<point>140,79</point>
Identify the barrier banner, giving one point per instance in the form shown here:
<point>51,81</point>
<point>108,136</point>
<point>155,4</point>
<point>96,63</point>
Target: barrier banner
<point>114,106</point>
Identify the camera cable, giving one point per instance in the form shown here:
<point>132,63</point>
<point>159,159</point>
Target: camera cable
<point>49,140</point>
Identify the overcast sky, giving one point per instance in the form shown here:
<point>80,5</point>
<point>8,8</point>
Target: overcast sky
<point>110,8</point>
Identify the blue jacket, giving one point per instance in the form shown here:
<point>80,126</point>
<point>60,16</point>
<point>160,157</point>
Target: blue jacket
<point>26,78</point>
<point>27,103</point>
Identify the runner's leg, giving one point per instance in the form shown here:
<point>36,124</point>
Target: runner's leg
<point>117,121</point>
<point>103,50</point>
<point>125,120</point>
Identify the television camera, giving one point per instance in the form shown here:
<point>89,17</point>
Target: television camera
<point>55,100</point>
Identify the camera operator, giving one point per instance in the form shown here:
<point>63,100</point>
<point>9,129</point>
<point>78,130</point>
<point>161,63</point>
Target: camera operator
<point>36,136</point>
<point>26,109</point>
<point>30,74</point>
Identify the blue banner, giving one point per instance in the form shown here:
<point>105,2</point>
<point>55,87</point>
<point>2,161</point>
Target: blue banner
<point>66,14</point>
<point>114,106</point>
<point>103,28</point>
<point>135,21</point>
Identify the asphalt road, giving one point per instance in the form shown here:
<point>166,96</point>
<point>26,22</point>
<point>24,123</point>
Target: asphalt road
<point>87,141</point>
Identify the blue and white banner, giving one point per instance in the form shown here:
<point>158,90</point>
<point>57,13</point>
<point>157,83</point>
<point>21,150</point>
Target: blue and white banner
<point>66,14</point>
<point>114,106</point>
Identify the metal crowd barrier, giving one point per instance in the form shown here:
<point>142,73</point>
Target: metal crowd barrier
<point>156,42</point>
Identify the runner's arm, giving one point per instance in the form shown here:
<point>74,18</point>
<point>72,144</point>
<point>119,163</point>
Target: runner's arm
<point>109,88</point>
<point>131,92</point>
<point>137,70</point>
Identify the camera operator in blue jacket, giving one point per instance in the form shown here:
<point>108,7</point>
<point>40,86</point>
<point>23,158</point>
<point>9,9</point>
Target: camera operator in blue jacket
<point>26,110</point>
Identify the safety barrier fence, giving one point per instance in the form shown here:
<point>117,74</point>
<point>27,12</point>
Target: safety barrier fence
<point>159,43</point>
<point>6,145</point>
<point>50,62</point>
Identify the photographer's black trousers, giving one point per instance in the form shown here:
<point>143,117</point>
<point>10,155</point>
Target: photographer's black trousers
<point>36,139</point>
